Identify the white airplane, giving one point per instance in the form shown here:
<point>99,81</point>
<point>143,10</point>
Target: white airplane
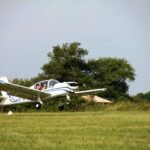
<point>39,92</point>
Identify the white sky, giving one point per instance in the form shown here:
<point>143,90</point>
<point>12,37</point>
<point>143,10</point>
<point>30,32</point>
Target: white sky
<point>107,28</point>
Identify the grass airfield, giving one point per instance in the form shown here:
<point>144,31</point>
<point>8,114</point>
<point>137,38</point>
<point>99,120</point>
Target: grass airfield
<point>75,130</point>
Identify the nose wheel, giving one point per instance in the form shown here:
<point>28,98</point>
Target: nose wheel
<point>68,103</point>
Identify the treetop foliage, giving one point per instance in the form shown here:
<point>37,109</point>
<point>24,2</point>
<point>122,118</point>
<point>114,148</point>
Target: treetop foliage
<point>65,63</point>
<point>112,73</point>
<point>66,51</point>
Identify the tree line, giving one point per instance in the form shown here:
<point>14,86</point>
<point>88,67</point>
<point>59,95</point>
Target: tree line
<point>68,62</point>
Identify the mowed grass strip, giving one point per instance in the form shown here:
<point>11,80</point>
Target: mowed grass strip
<point>75,130</point>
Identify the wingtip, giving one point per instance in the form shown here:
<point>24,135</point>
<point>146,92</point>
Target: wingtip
<point>105,89</point>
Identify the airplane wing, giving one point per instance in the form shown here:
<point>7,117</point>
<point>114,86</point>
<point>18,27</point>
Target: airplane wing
<point>95,91</point>
<point>23,92</point>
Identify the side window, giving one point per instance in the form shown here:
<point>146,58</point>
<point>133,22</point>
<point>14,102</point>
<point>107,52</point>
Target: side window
<point>37,86</point>
<point>41,85</point>
<point>44,85</point>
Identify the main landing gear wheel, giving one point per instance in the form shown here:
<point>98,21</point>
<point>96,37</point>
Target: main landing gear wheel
<point>61,106</point>
<point>37,105</point>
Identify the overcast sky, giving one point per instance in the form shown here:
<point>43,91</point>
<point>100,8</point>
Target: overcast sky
<point>106,28</point>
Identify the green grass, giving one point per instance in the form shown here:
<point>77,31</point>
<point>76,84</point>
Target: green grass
<point>75,131</point>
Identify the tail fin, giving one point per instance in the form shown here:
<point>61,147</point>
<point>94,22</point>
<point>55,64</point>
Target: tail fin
<point>4,94</point>
<point>7,99</point>
<point>4,80</point>
<point>4,99</point>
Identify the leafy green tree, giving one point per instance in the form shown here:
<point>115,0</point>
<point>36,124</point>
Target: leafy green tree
<point>112,73</point>
<point>24,82</point>
<point>67,62</point>
<point>142,96</point>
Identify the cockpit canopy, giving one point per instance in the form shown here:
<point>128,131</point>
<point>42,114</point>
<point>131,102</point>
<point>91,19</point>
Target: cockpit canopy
<point>45,84</point>
<point>52,82</point>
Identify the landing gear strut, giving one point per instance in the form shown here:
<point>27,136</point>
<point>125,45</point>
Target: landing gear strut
<point>68,100</point>
<point>39,103</point>
<point>61,105</point>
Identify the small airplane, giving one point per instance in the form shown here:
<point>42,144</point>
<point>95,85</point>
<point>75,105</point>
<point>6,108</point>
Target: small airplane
<point>39,92</point>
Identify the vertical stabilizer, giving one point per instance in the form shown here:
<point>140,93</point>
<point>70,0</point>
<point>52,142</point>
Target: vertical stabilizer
<point>4,80</point>
<point>7,99</point>
<point>4,98</point>
<point>4,94</point>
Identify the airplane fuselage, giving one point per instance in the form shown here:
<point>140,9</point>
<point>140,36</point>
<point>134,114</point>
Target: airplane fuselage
<point>39,92</point>
<point>56,90</point>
